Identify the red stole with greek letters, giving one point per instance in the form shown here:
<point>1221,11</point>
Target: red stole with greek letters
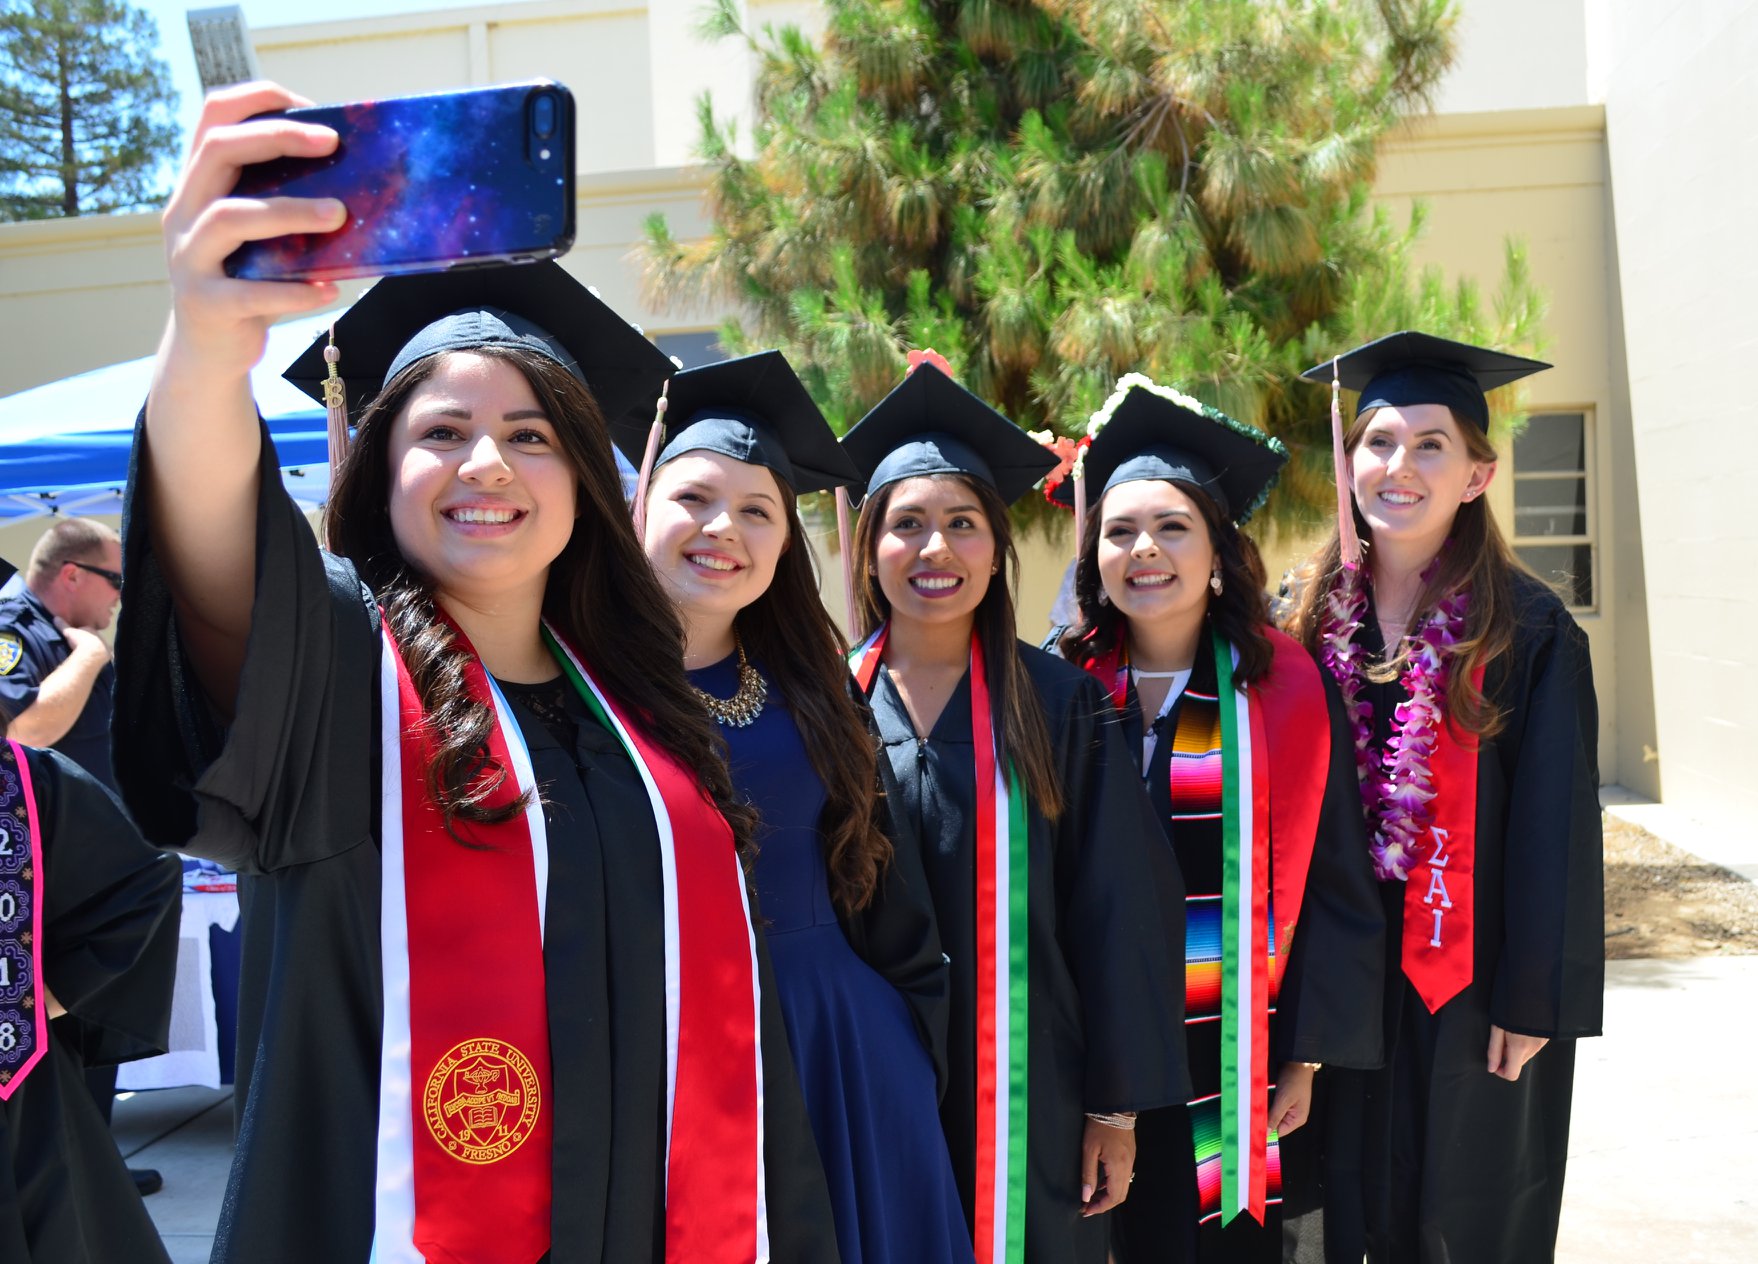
<point>1439,893</point>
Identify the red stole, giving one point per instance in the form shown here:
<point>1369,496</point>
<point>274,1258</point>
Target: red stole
<point>478,1013</point>
<point>1439,894</point>
<point>478,1008</point>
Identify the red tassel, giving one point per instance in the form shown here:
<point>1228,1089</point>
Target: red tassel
<point>645,475</point>
<point>1347,538</point>
<point>845,543</point>
<point>928,356</point>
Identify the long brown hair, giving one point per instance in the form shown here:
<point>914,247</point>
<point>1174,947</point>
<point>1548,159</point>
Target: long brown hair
<point>1239,613</point>
<point>1476,556</point>
<point>1017,713</point>
<point>790,633</point>
<point>601,596</point>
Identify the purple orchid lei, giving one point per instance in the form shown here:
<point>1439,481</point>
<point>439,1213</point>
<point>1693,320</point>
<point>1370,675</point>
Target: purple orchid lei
<point>1396,785</point>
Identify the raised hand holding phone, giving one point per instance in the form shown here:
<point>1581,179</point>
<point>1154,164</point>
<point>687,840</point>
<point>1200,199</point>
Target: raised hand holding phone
<point>203,440</point>
<point>431,182</point>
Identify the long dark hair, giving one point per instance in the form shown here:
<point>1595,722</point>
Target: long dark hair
<point>1240,613</point>
<point>792,635</point>
<point>1477,557</point>
<point>1017,713</point>
<point>601,597</point>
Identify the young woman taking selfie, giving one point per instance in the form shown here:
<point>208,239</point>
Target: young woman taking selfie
<point>502,999</point>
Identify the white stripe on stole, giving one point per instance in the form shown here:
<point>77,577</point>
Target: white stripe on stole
<point>673,986</point>
<point>526,777</point>
<point>1242,928</point>
<point>393,1239</point>
<point>1003,1009</point>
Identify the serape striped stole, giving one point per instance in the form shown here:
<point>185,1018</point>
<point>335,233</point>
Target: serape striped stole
<point>1253,761</point>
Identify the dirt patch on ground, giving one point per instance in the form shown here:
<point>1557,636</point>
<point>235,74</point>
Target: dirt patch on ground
<point>1661,901</point>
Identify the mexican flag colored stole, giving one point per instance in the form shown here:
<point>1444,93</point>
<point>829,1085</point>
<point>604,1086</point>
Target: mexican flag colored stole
<point>465,1110</point>
<point>716,1209</point>
<point>1002,863</point>
<point>24,1021</point>
<point>1439,892</point>
<point>1245,944</point>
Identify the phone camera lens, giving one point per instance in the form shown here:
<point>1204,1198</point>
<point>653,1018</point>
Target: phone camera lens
<point>543,116</point>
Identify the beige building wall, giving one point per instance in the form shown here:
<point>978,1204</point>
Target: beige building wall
<point>1679,85</point>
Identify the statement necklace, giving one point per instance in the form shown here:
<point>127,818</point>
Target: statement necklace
<point>1397,786</point>
<point>746,705</point>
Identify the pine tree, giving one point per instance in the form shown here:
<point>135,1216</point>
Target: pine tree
<point>86,108</point>
<point>1053,194</point>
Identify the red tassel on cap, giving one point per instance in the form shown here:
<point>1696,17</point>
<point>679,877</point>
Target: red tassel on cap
<point>644,476</point>
<point>929,356</point>
<point>1346,535</point>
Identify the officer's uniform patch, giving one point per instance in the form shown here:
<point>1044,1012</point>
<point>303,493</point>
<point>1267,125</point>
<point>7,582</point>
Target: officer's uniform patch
<point>11,652</point>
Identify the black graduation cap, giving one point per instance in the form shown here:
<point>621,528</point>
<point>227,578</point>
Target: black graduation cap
<point>537,306</point>
<point>755,409</point>
<point>1414,368</point>
<point>929,424</point>
<point>1152,432</point>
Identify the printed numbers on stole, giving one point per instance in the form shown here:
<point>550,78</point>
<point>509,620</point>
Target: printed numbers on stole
<point>1437,884</point>
<point>8,1037</point>
<point>5,841</point>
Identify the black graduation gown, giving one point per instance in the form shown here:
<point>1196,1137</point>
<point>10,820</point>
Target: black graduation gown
<point>1327,1011</point>
<point>288,798</point>
<point>1105,1019</point>
<point>110,924</point>
<point>1432,1158</point>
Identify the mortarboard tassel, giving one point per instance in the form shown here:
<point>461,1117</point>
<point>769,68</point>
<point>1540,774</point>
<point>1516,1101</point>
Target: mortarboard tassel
<point>1079,474</point>
<point>335,406</point>
<point>845,544</point>
<point>639,509</point>
<point>1349,541</point>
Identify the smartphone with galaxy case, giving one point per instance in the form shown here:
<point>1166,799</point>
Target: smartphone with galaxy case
<point>431,182</point>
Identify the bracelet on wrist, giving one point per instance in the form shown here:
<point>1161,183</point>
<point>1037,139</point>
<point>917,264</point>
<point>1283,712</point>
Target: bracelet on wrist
<point>1124,1119</point>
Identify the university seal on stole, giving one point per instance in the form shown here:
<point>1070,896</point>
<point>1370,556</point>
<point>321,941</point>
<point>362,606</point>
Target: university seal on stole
<point>482,1100</point>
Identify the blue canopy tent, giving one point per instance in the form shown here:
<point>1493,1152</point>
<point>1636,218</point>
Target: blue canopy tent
<point>64,446</point>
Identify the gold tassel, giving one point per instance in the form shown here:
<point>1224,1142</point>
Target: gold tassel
<point>846,544</point>
<point>335,406</point>
<point>1347,538</point>
<point>638,510</point>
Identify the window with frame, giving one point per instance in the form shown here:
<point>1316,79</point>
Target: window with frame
<point>1554,503</point>
<point>695,348</point>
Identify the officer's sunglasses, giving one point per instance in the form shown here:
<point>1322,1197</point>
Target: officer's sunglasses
<point>114,578</point>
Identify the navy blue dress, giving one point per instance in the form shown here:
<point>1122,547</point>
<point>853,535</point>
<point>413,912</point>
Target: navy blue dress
<point>864,1065</point>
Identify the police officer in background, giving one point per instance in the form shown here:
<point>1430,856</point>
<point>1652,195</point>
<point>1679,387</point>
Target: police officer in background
<point>56,679</point>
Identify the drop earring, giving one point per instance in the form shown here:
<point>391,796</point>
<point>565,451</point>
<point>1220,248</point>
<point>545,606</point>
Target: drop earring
<point>1215,583</point>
